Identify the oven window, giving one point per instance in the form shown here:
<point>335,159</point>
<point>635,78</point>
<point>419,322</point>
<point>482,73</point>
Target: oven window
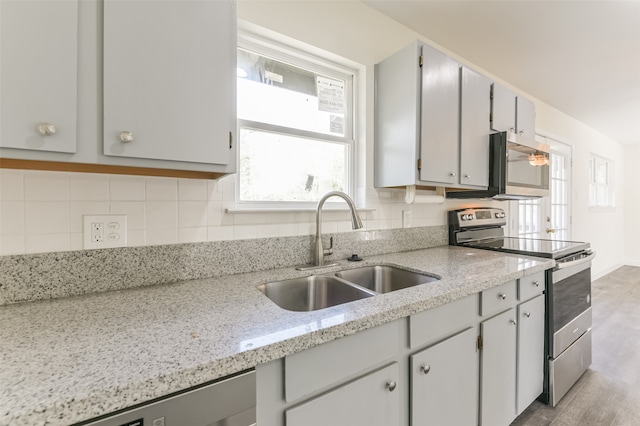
<point>571,297</point>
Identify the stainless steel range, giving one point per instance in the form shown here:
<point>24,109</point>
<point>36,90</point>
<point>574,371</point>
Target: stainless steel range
<point>567,291</point>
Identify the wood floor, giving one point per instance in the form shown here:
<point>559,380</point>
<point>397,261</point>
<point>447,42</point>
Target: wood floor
<point>609,392</point>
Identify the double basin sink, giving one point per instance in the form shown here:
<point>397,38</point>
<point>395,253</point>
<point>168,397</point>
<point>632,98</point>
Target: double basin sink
<point>323,291</point>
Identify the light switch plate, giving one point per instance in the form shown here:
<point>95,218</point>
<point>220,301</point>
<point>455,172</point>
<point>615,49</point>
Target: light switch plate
<point>406,218</point>
<point>105,231</point>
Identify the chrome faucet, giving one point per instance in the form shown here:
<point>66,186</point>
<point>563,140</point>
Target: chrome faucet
<point>319,252</point>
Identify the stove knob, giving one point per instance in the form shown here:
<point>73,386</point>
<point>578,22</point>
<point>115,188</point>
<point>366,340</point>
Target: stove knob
<point>471,217</point>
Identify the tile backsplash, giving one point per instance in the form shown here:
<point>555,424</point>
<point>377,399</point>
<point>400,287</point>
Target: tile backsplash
<point>42,211</point>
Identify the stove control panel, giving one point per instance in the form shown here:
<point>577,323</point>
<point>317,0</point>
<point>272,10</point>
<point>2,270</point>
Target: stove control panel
<point>477,217</point>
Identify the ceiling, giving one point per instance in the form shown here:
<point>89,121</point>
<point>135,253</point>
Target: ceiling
<point>581,57</point>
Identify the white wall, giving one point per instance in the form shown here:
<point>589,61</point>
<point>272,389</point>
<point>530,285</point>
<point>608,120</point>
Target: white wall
<point>632,204</point>
<point>167,210</point>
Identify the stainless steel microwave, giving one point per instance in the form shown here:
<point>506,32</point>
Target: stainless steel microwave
<point>518,169</point>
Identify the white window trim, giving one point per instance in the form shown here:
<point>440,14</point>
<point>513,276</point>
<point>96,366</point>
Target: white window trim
<point>288,50</point>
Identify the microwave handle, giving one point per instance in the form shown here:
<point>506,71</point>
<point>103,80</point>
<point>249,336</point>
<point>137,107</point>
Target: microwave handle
<point>580,261</point>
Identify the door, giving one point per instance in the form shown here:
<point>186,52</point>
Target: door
<point>439,143</point>
<point>531,356</point>
<point>547,217</point>
<point>525,117</point>
<point>498,370</point>
<point>444,382</point>
<point>38,74</point>
<point>169,79</point>
<point>503,109</point>
<point>475,95</point>
<point>373,400</point>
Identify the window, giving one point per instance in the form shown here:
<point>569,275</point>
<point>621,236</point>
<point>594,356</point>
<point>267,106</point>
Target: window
<point>529,220</point>
<point>295,115</point>
<point>601,193</point>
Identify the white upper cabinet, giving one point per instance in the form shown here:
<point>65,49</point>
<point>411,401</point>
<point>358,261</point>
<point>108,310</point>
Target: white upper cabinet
<point>525,117</point>
<point>169,80</point>
<point>432,121</point>
<point>440,106</point>
<point>512,113</point>
<point>475,95</point>
<point>38,75</point>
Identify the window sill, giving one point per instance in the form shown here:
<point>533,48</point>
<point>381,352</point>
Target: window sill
<point>598,209</point>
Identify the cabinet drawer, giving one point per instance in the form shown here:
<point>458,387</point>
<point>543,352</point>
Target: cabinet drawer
<point>425,327</point>
<point>498,299</point>
<point>333,362</point>
<point>530,286</point>
<point>372,400</point>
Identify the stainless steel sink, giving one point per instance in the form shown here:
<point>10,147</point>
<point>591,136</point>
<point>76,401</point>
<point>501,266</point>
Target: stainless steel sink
<point>312,293</point>
<point>383,279</point>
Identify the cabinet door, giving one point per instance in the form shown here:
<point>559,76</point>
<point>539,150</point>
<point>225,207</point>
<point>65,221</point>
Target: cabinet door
<point>498,370</point>
<point>474,128</point>
<point>169,79</point>
<point>444,382</point>
<point>373,400</point>
<point>38,74</point>
<point>439,147</point>
<point>503,109</point>
<point>531,357</point>
<point>526,117</point>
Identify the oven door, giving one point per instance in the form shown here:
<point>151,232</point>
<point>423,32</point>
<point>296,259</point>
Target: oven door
<point>570,301</point>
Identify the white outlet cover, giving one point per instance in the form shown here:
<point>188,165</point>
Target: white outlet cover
<point>114,227</point>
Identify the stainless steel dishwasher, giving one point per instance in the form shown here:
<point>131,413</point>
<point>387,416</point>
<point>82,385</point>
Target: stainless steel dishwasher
<point>228,402</point>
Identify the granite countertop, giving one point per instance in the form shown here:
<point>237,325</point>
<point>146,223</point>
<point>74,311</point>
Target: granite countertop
<point>72,359</point>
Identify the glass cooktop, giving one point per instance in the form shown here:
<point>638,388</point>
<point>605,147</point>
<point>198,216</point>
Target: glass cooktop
<point>528,246</point>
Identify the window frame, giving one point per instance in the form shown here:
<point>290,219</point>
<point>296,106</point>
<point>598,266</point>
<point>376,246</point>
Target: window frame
<point>609,186</point>
<point>320,63</point>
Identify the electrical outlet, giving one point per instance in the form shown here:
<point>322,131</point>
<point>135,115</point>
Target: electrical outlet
<point>105,231</point>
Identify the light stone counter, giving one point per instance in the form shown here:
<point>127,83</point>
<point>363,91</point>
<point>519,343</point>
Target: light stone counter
<point>71,359</point>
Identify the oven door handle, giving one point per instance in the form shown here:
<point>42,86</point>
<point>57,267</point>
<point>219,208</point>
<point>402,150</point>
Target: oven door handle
<point>580,261</point>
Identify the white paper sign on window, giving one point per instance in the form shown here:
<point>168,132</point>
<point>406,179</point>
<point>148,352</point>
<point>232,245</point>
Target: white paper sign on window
<point>330,95</point>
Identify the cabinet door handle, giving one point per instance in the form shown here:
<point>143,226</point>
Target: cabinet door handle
<point>126,136</point>
<point>425,369</point>
<point>512,321</point>
<point>46,129</point>
<point>502,296</point>
<point>527,314</point>
<point>391,386</point>
<point>536,283</point>
<point>452,174</point>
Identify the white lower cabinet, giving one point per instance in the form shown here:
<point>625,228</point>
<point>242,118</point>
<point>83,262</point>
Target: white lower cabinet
<point>475,361</point>
<point>498,369</point>
<point>373,400</point>
<point>444,382</point>
<point>530,363</point>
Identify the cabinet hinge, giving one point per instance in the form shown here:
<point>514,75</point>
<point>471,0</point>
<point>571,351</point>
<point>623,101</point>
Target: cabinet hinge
<point>421,60</point>
<point>419,164</point>
<point>230,140</point>
<point>480,343</point>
